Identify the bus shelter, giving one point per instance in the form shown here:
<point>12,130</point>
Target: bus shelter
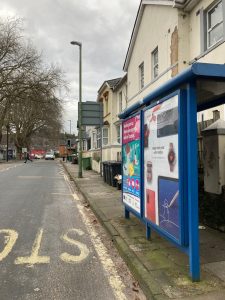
<point>159,156</point>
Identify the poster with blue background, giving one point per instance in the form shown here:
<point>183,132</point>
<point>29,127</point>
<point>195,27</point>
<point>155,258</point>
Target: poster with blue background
<point>131,162</point>
<point>168,201</point>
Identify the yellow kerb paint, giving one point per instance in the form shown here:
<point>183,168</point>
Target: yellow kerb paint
<point>84,252</point>
<point>34,258</point>
<point>10,239</point>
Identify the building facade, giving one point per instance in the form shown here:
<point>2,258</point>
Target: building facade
<point>190,31</point>
<point>105,141</point>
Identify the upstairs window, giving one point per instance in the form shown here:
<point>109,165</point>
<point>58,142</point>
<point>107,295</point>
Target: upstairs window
<point>98,136</point>
<point>118,134</point>
<point>105,136</point>
<point>155,63</point>
<point>215,24</point>
<point>120,103</point>
<point>141,76</point>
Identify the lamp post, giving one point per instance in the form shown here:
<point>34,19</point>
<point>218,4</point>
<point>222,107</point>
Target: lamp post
<point>75,43</point>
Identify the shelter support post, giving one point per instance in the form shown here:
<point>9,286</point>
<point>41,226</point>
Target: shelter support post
<point>192,171</point>
<point>148,232</point>
<point>127,214</point>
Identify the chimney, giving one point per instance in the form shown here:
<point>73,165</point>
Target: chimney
<point>216,115</point>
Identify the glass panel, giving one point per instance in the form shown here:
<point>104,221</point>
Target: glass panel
<point>105,132</point>
<point>216,34</point>
<point>118,134</point>
<point>215,15</point>
<point>105,141</point>
<point>120,102</point>
<point>156,71</point>
<point>155,57</point>
<point>141,70</point>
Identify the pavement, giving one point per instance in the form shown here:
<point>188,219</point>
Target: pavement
<point>160,268</point>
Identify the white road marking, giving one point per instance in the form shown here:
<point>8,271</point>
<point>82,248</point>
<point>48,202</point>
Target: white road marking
<point>10,239</point>
<point>107,263</point>
<point>34,258</point>
<point>84,252</point>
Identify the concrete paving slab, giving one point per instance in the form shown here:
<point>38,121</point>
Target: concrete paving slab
<point>217,268</point>
<point>161,269</point>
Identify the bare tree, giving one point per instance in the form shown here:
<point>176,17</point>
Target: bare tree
<point>16,59</point>
<point>28,101</point>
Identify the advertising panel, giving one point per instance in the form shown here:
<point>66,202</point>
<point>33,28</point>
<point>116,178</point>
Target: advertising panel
<point>131,157</point>
<point>161,186</point>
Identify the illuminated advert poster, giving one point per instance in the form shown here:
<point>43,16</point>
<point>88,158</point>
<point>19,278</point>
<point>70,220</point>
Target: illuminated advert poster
<point>131,163</point>
<point>161,192</point>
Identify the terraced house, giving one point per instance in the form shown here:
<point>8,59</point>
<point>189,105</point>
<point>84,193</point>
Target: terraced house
<point>168,36</point>
<point>106,141</point>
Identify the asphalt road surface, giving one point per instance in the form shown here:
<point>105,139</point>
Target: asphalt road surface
<point>48,248</point>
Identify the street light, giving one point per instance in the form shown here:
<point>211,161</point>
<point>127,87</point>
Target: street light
<point>75,43</point>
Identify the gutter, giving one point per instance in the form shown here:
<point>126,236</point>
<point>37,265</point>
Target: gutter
<point>186,5</point>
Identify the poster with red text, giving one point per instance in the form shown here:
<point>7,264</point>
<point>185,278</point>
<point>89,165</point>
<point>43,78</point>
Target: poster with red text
<point>131,162</point>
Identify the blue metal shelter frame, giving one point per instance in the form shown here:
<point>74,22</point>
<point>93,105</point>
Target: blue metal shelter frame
<point>196,88</point>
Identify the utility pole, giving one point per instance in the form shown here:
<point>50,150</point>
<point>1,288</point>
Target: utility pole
<point>80,108</point>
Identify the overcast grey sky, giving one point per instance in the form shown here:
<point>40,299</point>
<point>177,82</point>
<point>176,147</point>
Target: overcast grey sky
<point>104,28</point>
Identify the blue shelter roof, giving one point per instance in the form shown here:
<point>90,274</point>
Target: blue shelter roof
<point>210,87</point>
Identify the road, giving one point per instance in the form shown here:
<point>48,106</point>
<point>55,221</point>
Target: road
<point>49,246</point>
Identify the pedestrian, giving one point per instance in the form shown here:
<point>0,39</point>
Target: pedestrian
<point>27,157</point>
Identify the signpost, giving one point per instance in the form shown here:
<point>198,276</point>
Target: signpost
<point>92,113</point>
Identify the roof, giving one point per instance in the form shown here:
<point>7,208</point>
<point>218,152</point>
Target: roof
<point>111,83</point>
<point>210,87</point>
<point>187,5</point>
<point>120,83</point>
<point>216,127</point>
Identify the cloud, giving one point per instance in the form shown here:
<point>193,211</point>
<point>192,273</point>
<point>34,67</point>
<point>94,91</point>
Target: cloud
<point>103,27</point>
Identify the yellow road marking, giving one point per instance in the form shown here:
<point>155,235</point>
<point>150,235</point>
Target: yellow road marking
<point>107,263</point>
<point>84,252</point>
<point>34,258</point>
<point>39,177</point>
<point>63,194</point>
<point>10,239</point>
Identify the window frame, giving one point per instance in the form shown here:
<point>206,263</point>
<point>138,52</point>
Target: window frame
<point>118,134</point>
<point>155,64</point>
<point>204,46</point>
<point>98,137</point>
<point>209,30</point>
<point>105,128</point>
<point>120,102</point>
<point>141,69</point>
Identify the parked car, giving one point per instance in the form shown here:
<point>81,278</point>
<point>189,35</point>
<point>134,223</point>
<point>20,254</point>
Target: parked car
<point>49,156</point>
<point>38,156</point>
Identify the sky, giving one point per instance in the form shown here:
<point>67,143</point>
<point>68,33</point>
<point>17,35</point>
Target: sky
<point>103,27</point>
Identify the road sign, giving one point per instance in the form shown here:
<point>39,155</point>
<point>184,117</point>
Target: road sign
<point>92,113</point>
